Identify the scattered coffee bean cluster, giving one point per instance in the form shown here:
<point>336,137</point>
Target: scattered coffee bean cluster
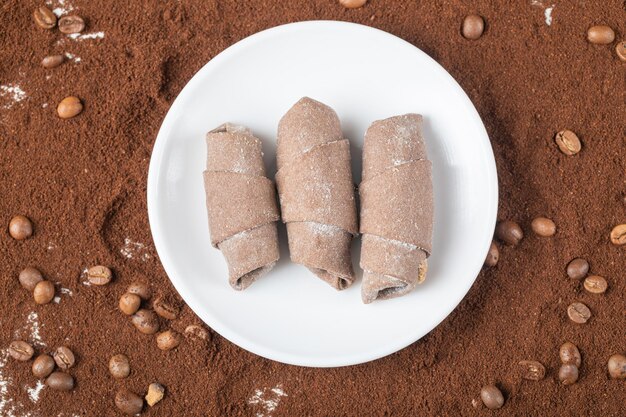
<point>146,321</point>
<point>43,366</point>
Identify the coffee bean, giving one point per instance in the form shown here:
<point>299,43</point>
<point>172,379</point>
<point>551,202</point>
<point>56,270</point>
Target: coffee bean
<point>578,313</point>
<point>20,350</point>
<point>493,255</point>
<point>155,393</point>
<point>600,34</point>
<point>569,353</point>
<point>60,381</point>
<point>492,397</point>
<point>20,227</point>
<point>168,340</point>
<point>69,107</point>
<point>99,275</point>
<point>620,50</point>
<point>43,292</point>
<point>129,303</point>
<point>618,235</point>
<point>352,4</point>
<point>577,268</point>
<point>128,402</point>
<point>71,24</point>
<point>473,27</point>
<point>165,309</point>
<point>595,284</point>
<point>617,366</point>
<point>568,142</point>
<point>64,358</point>
<point>44,18</point>
<point>568,374</point>
<point>543,226</point>
<point>43,365</point>
<point>196,332</point>
<point>145,321</point>
<point>141,289</point>
<point>52,61</point>
<point>29,277</point>
<point>119,366</point>
<point>509,232</point>
<point>532,370</point>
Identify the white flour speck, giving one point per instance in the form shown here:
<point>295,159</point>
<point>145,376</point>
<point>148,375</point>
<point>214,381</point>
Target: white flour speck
<point>72,57</point>
<point>66,291</point>
<point>267,400</point>
<point>33,393</point>
<point>56,300</point>
<point>83,36</point>
<point>132,250</point>
<point>31,331</point>
<point>44,105</point>
<point>11,93</point>
<point>60,7</point>
<point>548,14</point>
<point>83,278</point>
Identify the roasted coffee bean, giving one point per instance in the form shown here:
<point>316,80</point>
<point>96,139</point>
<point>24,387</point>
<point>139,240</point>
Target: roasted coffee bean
<point>532,370</point>
<point>43,292</point>
<point>64,358</point>
<point>352,4</point>
<point>492,397</point>
<point>145,321</point>
<point>595,284</point>
<point>128,402</point>
<point>99,275</point>
<point>29,277</point>
<point>141,289</point>
<point>493,255</point>
<point>577,268</point>
<point>618,235</point>
<point>568,142</point>
<point>168,340</point>
<point>119,366</point>
<point>196,332</point>
<point>543,226</point>
<point>617,366</point>
<point>71,24</point>
<point>620,50</point>
<point>578,313</point>
<point>569,353</point>
<point>165,309</point>
<point>129,303</point>
<point>52,61</point>
<point>69,107</point>
<point>600,34</point>
<point>44,18</point>
<point>60,381</point>
<point>509,232</point>
<point>473,27</point>
<point>20,227</point>
<point>20,350</point>
<point>43,365</point>
<point>155,393</point>
<point>568,374</point>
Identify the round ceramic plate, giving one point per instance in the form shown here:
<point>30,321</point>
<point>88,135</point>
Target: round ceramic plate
<point>364,74</point>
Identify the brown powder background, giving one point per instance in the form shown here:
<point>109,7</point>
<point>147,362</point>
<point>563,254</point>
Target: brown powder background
<point>83,182</point>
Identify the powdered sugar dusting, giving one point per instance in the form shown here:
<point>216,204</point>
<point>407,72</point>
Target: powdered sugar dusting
<point>548,14</point>
<point>31,330</point>
<point>83,277</point>
<point>60,7</point>
<point>11,94</point>
<point>72,57</point>
<point>266,400</point>
<point>323,229</point>
<point>33,393</point>
<point>83,36</point>
<point>9,407</point>
<point>135,250</point>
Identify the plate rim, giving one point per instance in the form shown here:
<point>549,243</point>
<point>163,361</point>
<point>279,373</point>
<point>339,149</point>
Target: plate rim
<point>158,235</point>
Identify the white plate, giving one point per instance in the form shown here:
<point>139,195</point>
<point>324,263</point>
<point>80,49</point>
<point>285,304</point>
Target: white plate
<point>364,74</point>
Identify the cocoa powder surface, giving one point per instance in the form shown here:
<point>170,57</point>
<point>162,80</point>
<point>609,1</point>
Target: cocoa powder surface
<point>83,183</point>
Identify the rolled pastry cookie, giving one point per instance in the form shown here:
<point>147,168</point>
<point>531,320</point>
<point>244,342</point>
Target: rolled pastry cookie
<point>396,208</point>
<point>241,204</point>
<point>316,191</point>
